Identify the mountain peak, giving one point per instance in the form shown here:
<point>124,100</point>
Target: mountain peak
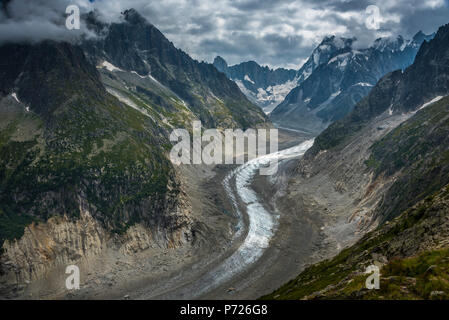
<point>420,37</point>
<point>328,38</point>
<point>337,42</point>
<point>389,43</point>
<point>134,17</point>
<point>220,64</point>
<point>253,64</point>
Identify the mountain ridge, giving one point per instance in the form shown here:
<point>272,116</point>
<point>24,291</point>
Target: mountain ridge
<point>84,148</point>
<point>135,45</point>
<point>388,158</point>
<point>331,88</point>
<point>264,86</point>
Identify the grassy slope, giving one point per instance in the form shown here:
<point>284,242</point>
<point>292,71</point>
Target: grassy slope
<point>415,245</point>
<point>417,153</point>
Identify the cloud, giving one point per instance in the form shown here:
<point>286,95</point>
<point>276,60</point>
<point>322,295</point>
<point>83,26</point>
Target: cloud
<point>282,32</point>
<point>37,20</point>
<point>274,33</point>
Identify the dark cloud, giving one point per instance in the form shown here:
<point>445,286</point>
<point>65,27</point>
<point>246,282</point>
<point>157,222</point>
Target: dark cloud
<point>37,20</point>
<point>346,6</point>
<point>277,33</point>
<point>254,5</point>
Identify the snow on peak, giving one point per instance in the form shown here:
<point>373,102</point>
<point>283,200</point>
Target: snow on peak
<point>328,48</point>
<point>391,44</point>
<point>316,57</point>
<point>339,43</point>
<point>343,58</point>
<point>247,78</point>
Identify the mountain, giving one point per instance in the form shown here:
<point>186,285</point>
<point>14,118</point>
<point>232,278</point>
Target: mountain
<point>425,81</point>
<point>165,79</point>
<point>68,148</point>
<point>264,86</point>
<point>337,76</point>
<point>84,147</point>
<point>385,167</point>
<point>329,47</point>
<point>397,92</point>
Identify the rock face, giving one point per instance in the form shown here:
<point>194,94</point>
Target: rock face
<point>59,241</point>
<point>264,86</point>
<point>46,248</point>
<point>337,76</point>
<point>135,45</point>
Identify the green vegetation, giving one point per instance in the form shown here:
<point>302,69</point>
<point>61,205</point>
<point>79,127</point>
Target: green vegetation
<point>418,150</point>
<point>417,274</point>
<point>425,276</point>
<point>89,150</point>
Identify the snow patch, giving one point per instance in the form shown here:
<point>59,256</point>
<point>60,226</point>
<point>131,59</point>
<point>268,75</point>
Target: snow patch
<point>242,88</point>
<point>324,47</point>
<point>143,77</point>
<point>342,59</point>
<point>14,95</point>
<point>128,102</point>
<point>109,66</point>
<point>306,74</point>
<point>316,58</point>
<point>247,78</point>
<point>363,84</point>
<point>335,94</point>
<point>436,99</point>
<point>277,93</point>
<point>154,79</point>
<point>390,111</point>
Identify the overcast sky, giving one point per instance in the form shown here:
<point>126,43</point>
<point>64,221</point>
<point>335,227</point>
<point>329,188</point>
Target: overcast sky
<point>278,33</point>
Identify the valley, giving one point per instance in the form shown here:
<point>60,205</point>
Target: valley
<point>91,177</point>
<point>226,266</point>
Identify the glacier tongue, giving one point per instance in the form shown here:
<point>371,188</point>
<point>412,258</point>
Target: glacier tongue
<point>262,223</point>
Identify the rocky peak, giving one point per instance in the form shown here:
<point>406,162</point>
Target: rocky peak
<point>420,37</point>
<point>134,17</point>
<point>220,64</point>
<point>43,74</point>
<point>389,44</point>
<point>330,47</point>
<point>399,92</point>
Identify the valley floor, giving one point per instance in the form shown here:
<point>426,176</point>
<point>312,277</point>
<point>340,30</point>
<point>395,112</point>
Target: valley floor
<point>297,242</point>
<point>186,272</point>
